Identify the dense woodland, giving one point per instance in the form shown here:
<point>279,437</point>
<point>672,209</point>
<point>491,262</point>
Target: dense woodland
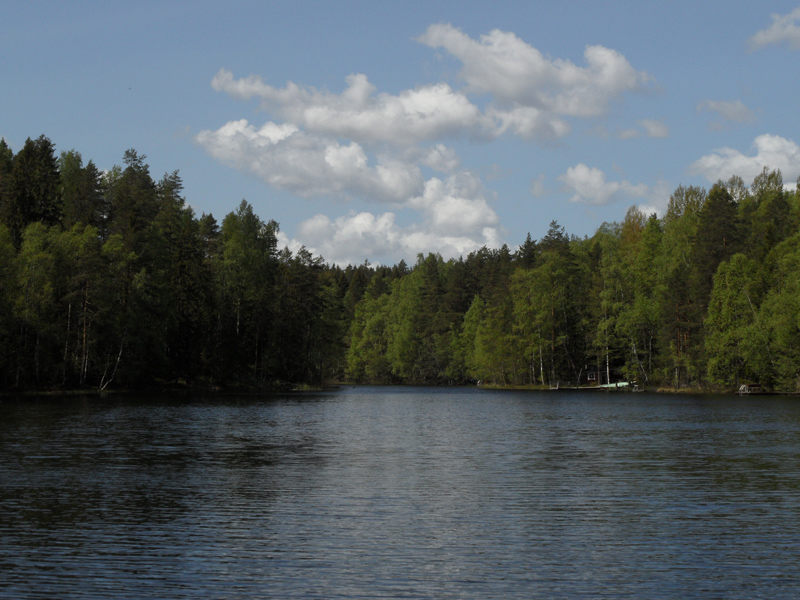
<point>109,280</point>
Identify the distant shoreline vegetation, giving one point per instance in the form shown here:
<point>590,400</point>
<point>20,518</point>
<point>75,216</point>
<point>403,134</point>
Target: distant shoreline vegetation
<point>110,281</point>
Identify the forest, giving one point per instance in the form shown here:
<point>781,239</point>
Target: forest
<point>109,280</point>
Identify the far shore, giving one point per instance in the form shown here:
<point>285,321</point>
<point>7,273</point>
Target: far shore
<point>179,388</point>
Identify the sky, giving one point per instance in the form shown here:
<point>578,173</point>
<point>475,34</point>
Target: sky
<point>379,130</point>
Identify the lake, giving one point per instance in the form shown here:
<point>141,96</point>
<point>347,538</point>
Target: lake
<point>376,492</point>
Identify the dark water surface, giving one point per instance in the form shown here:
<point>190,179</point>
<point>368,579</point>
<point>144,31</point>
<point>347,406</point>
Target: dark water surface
<point>401,493</point>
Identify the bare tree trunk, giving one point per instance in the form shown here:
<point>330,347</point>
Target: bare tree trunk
<point>82,377</point>
<point>84,347</point>
<point>21,352</point>
<point>36,360</point>
<point>641,366</point>
<point>255,364</point>
<point>66,344</point>
<point>85,355</point>
<point>541,364</point>
<point>238,313</point>
<point>103,384</point>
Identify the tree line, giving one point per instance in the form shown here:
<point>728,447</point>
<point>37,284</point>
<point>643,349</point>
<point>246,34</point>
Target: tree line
<point>708,295</point>
<point>109,279</point>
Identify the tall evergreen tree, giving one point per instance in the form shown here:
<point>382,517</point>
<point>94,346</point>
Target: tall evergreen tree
<point>81,191</point>
<point>247,272</point>
<point>7,206</point>
<point>716,240</point>
<point>680,320</point>
<point>133,201</point>
<point>35,188</point>
<point>8,323</point>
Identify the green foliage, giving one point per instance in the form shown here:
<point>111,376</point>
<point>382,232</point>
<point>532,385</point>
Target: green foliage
<point>32,194</point>
<point>7,204</point>
<point>660,302</point>
<point>464,363</point>
<point>8,321</point>
<point>496,356</point>
<point>128,288</point>
<point>544,310</point>
<point>366,356</point>
<point>112,281</point>
<point>779,317</point>
<point>735,340</point>
<point>246,271</point>
<point>638,320</point>
<point>81,191</point>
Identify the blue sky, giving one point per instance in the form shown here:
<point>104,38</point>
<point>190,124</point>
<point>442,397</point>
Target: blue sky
<point>379,130</point>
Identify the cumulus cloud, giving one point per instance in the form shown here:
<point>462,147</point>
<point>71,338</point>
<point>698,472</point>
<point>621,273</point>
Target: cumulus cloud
<point>427,113</point>
<point>307,165</point>
<point>657,199</point>
<point>456,206</point>
<point>528,122</point>
<point>360,142</point>
<point>772,151</point>
<point>456,219</point>
<point>589,186</point>
<point>349,239</point>
<point>649,209</point>
<point>517,74</point>
<point>352,238</point>
<point>531,96</point>
<point>784,28</point>
<point>439,158</point>
<point>734,111</point>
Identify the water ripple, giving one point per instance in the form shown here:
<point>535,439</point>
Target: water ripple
<point>401,493</point>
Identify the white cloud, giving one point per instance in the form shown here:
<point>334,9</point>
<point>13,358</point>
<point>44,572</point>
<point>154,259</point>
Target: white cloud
<point>456,219</point>
<point>784,28</point>
<point>360,142</point>
<point>309,165</point>
<point>456,206</point>
<point>427,113</point>
<point>734,111</point>
<point>657,199</point>
<point>440,158</point>
<point>772,151</point>
<point>517,74</point>
<point>528,123</point>
<point>306,155</point>
<point>649,209</point>
<point>589,186</point>
<point>352,238</point>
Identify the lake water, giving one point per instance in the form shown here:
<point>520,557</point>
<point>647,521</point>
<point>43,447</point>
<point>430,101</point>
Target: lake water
<point>401,493</point>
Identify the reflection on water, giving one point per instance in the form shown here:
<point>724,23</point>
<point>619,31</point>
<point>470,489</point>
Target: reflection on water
<point>401,493</point>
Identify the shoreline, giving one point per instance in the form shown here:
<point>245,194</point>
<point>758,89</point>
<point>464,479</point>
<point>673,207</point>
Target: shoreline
<point>284,387</point>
